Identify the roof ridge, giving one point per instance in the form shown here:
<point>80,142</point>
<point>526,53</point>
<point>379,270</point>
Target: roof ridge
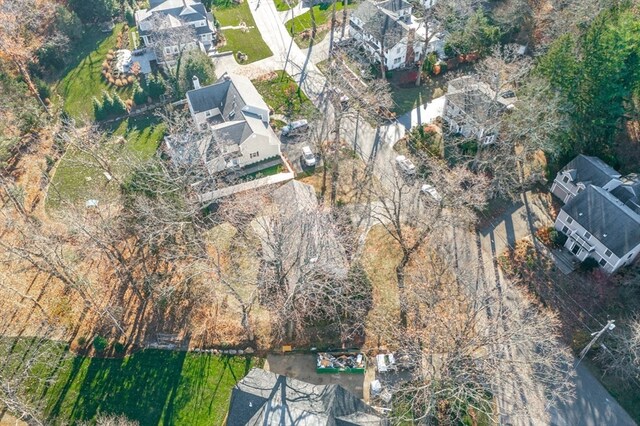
<point>618,203</point>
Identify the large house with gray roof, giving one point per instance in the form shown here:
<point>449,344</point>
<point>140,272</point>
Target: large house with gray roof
<point>601,215</point>
<point>389,33</point>
<point>265,398</point>
<point>166,16</point>
<point>232,121</point>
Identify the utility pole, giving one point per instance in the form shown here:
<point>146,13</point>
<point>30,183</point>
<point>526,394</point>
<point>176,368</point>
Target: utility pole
<point>608,327</point>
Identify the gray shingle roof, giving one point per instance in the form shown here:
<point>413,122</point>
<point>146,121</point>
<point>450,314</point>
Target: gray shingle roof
<point>380,25</point>
<point>265,398</point>
<point>591,170</point>
<point>184,10</point>
<point>222,95</point>
<point>606,218</point>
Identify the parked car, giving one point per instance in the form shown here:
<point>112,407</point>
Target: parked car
<point>405,165</point>
<point>308,156</point>
<point>295,128</point>
<point>427,189</point>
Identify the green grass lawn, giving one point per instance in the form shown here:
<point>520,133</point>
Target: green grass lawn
<point>282,5</point>
<point>302,22</point>
<point>231,14</point>
<point>153,386</point>
<point>82,81</point>
<point>249,42</point>
<point>280,92</point>
<point>407,98</point>
<point>142,134</point>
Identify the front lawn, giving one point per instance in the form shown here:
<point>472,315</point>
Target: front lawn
<point>282,5</point>
<point>300,26</point>
<point>76,179</point>
<point>153,386</point>
<point>82,81</point>
<point>229,13</point>
<point>281,94</point>
<point>249,43</point>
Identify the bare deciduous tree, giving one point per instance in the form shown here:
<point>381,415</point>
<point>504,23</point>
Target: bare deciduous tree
<point>468,345</point>
<point>21,362</point>
<point>24,26</point>
<point>621,355</point>
<point>411,218</point>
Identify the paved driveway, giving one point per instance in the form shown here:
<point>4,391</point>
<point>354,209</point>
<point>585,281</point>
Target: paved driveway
<point>303,367</point>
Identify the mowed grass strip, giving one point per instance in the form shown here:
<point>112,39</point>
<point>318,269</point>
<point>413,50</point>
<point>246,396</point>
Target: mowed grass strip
<point>84,80</point>
<point>152,387</point>
<point>282,5</point>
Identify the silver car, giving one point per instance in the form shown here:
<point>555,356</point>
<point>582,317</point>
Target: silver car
<point>405,165</point>
<point>308,156</point>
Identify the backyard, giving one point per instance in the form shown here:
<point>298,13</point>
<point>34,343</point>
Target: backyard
<point>280,92</point>
<point>300,26</point>
<point>83,80</point>
<point>152,386</point>
<point>75,178</point>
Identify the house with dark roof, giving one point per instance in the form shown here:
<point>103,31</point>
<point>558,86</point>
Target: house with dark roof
<point>581,172</point>
<point>265,398</point>
<point>601,215</point>
<point>390,34</point>
<point>232,120</point>
<point>473,109</point>
<point>166,16</point>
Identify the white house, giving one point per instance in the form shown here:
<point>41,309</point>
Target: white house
<point>233,121</point>
<point>601,217</point>
<point>388,32</point>
<point>170,15</point>
<point>473,109</point>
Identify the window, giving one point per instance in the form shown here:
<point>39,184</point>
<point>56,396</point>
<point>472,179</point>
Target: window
<point>398,49</point>
<point>231,114</point>
<point>565,179</point>
<point>397,60</point>
<point>630,255</point>
<point>207,114</point>
<point>254,154</point>
<point>569,220</point>
<point>608,253</point>
<point>602,262</point>
<point>587,235</point>
<point>565,229</point>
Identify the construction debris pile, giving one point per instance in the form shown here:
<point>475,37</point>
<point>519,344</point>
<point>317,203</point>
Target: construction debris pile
<point>331,362</point>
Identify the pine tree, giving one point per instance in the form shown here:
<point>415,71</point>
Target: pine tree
<point>139,95</point>
<point>98,111</point>
<point>107,104</point>
<point>157,86</point>
<point>119,107</point>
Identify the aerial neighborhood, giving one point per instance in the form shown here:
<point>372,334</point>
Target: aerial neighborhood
<point>285,212</point>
